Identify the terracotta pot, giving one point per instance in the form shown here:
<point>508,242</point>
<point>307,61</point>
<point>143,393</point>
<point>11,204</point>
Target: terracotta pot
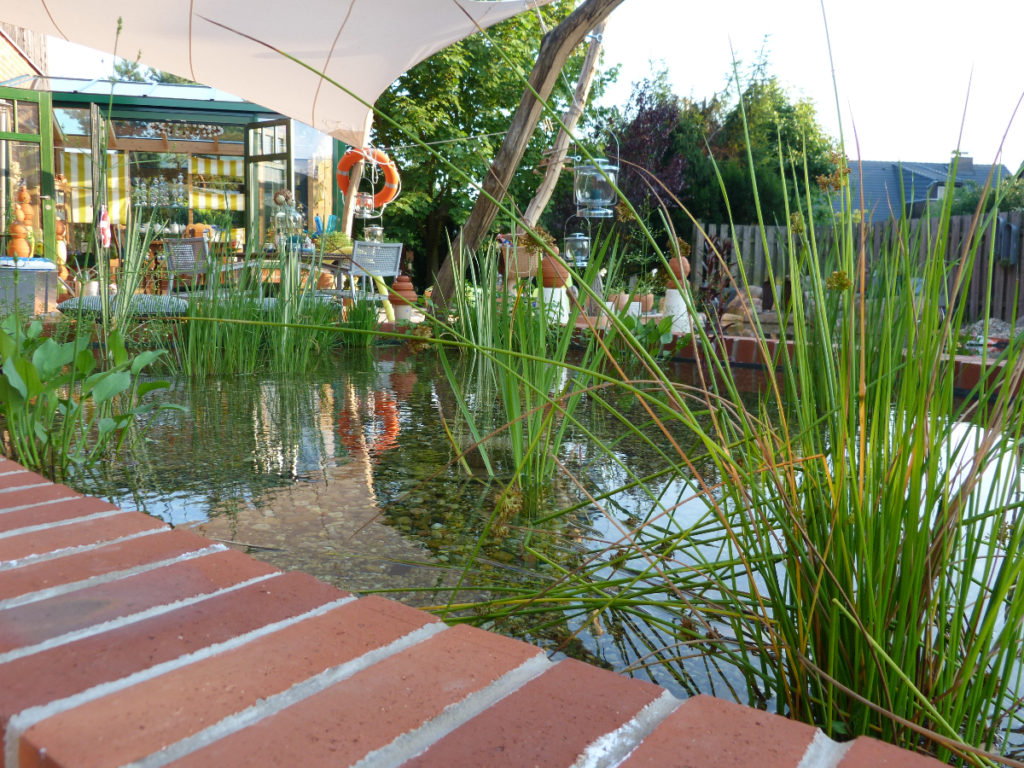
<point>24,196</point>
<point>17,230</point>
<point>646,301</point>
<point>402,291</point>
<point>680,266</point>
<point>517,262</point>
<point>620,300</point>
<point>553,273</point>
<point>19,248</point>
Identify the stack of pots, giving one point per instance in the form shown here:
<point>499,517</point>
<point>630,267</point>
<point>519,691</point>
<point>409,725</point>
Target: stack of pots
<point>403,296</point>
<point>554,275</point>
<point>19,244</point>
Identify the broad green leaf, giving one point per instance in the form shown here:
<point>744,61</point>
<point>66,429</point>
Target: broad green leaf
<point>144,359</point>
<point>105,426</point>
<point>85,362</point>
<point>150,386</point>
<point>115,343</point>
<point>13,377</point>
<point>109,384</point>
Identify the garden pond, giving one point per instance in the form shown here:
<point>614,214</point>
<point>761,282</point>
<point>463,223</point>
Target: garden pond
<point>349,474</point>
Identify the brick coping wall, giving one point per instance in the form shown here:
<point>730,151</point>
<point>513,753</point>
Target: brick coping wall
<point>124,642</point>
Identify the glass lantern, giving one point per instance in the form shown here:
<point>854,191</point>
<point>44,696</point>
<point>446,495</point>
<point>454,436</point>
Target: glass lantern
<point>362,207</point>
<point>593,188</point>
<point>577,249</point>
<point>374,234</point>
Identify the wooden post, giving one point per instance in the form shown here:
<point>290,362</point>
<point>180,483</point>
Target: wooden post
<point>556,161</point>
<point>555,49</point>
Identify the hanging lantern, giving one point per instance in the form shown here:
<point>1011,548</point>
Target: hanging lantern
<point>577,249</point>
<point>594,190</point>
<point>362,206</point>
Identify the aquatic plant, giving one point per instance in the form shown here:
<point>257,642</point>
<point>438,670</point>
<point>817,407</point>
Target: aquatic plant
<point>59,408</point>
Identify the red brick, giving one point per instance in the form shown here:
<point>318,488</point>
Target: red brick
<point>76,535</point>
<point>871,753</point>
<point>120,556</point>
<point>745,350</point>
<point>708,731</point>
<point>29,624</point>
<point>372,708</point>
<point>69,669</point>
<point>54,513</point>
<point>549,721</point>
<point>14,475</point>
<point>38,495</point>
<point>130,724</point>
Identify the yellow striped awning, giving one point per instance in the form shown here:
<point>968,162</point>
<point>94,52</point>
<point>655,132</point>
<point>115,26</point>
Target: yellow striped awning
<point>215,183</point>
<point>77,167</point>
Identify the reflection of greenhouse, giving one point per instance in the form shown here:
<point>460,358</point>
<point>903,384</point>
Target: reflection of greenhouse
<point>181,154</point>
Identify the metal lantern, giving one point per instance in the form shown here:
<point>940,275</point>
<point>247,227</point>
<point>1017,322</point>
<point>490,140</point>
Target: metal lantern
<point>374,234</point>
<point>594,190</point>
<point>577,249</point>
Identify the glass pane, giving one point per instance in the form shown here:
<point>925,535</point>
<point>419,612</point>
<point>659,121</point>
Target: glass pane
<point>6,115</point>
<point>19,199</point>
<point>269,177</point>
<point>72,121</point>
<point>268,140</point>
<point>217,194</point>
<point>314,174</point>
<point>27,117</point>
<point>160,190</point>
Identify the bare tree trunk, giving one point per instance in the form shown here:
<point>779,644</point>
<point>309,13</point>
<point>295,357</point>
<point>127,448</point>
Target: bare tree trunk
<point>555,49</point>
<point>560,150</point>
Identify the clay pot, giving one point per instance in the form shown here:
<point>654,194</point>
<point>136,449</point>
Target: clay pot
<point>19,248</point>
<point>27,213</point>
<point>402,291</point>
<point>553,273</point>
<point>646,301</point>
<point>24,196</point>
<point>17,230</point>
<point>680,266</point>
<point>620,300</point>
<point>60,228</point>
<point>517,261</point>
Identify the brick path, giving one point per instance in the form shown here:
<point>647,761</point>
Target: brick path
<point>125,642</point>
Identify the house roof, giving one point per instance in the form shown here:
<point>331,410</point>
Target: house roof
<point>886,183</point>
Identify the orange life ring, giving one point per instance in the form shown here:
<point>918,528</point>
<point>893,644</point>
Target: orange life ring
<point>353,155</point>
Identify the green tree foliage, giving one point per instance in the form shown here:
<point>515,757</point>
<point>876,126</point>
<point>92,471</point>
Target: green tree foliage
<point>1008,195</point>
<point>126,70</point>
<point>461,101</point>
<point>688,144</point>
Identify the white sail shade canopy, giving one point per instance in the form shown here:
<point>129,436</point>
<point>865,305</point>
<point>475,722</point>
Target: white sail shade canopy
<point>364,45</point>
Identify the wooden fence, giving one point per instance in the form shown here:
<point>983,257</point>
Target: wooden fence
<point>1001,251</point>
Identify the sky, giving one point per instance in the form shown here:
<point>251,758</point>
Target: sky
<point>907,72</point>
<point>902,67</point>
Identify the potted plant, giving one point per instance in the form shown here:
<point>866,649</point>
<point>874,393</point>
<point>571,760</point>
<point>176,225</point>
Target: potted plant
<point>521,255</point>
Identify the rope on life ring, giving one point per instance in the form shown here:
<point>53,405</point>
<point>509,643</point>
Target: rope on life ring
<point>377,157</point>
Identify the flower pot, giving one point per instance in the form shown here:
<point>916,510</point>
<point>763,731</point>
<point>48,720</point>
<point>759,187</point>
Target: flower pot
<point>517,261</point>
<point>553,273</point>
<point>619,300</point>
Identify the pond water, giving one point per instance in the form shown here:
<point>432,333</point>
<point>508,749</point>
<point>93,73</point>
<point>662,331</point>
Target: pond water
<point>348,475</point>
